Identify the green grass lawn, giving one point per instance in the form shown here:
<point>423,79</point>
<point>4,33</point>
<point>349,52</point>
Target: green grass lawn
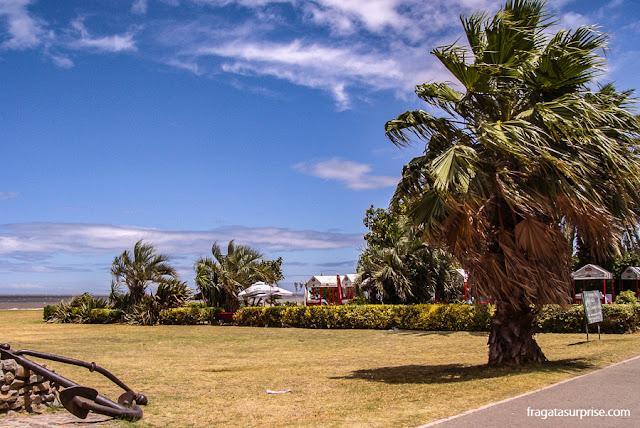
<point>197,375</point>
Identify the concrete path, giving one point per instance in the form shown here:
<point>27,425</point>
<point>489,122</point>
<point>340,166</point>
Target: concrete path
<point>571,403</point>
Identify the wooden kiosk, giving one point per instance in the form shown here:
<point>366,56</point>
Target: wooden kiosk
<point>327,290</point>
<point>632,273</point>
<point>593,272</point>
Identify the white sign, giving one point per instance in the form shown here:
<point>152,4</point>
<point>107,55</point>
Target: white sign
<point>592,306</point>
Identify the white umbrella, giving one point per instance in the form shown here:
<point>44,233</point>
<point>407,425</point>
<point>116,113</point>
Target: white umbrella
<point>255,289</point>
<point>277,291</point>
<point>261,289</point>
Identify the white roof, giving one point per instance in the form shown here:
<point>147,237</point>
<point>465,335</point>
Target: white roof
<point>632,272</point>
<point>351,277</point>
<point>591,272</point>
<point>323,281</point>
<point>462,274</point>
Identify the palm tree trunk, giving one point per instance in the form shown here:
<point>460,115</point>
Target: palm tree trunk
<point>231,303</point>
<point>511,339</point>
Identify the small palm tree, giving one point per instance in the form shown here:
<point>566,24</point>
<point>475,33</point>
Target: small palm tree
<point>385,268</point>
<point>212,292</point>
<point>140,269</point>
<point>525,154</point>
<point>404,269</point>
<point>224,275</point>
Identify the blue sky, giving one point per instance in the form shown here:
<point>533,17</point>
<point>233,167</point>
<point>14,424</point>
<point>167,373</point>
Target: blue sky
<point>184,122</point>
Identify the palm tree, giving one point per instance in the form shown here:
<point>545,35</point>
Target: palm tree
<point>237,269</point>
<point>525,152</point>
<point>398,264</point>
<point>139,270</point>
<point>210,290</point>
<point>385,269</point>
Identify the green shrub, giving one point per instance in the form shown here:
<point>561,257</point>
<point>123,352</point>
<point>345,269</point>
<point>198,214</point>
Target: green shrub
<point>78,310</point>
<point>88,300</point>
<point>210,314</point>
<point>48,312</point>
<point>65,313</point>
<point>616,319</point>
<point>432,317</point>
<point>182,316</point>
<point>626,297</point>
<point>620,318</point>
<point>103,316</point>
<point>188,315</point>
<point>554,319</point>
<point>457,317</point>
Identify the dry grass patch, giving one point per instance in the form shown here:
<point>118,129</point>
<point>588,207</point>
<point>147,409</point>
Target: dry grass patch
<point>197,375</point>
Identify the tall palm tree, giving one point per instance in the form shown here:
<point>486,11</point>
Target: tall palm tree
<point>140,269</point>
<point>525,152</point>
<point>235,270</point>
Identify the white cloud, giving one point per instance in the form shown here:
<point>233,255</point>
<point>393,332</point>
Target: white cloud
<point>312,65</point>
<point>114,43</point>
<point>25,31</point>
<point>375,15</point>
<point>8,195</point>
<point>139,7</point>
<point>21,287</point>
<point>61,61</point>
<point>575,20</point>
<point>373,45</point>
<point>344,48</point>
<point>18,240</point>
<point>355,176</point>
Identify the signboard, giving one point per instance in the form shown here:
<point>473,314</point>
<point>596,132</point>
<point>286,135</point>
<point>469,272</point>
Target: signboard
<point>592,306</point>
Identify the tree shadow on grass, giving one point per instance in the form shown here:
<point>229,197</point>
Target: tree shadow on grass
<point>453,373</point>
<point>438,333</point>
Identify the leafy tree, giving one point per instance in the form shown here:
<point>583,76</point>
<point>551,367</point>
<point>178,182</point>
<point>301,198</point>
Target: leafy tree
<point>380,224</point>
<point>618,264</point>
<point>273,270</point>
<point>224,275</point>
<point>525,153</point>
<point>140,269</point>
<point>399,265</point>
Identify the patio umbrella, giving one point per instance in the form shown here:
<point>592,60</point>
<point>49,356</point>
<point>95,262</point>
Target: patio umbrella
<point>278,291</point>
<point>255,289</point>
<point>261,289</point>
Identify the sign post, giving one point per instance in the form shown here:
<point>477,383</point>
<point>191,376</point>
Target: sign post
<point>592,309</point>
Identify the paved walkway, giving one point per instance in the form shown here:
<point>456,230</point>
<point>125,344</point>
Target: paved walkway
<point>614,388</point>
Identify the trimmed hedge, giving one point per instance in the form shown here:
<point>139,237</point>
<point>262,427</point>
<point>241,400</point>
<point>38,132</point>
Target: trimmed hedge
<point>435,317</point>
<point>190,315</point>
<point>454,317</point>
<point>616,319</point>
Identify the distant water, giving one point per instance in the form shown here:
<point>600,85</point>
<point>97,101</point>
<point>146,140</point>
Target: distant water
<point>15,302</point>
